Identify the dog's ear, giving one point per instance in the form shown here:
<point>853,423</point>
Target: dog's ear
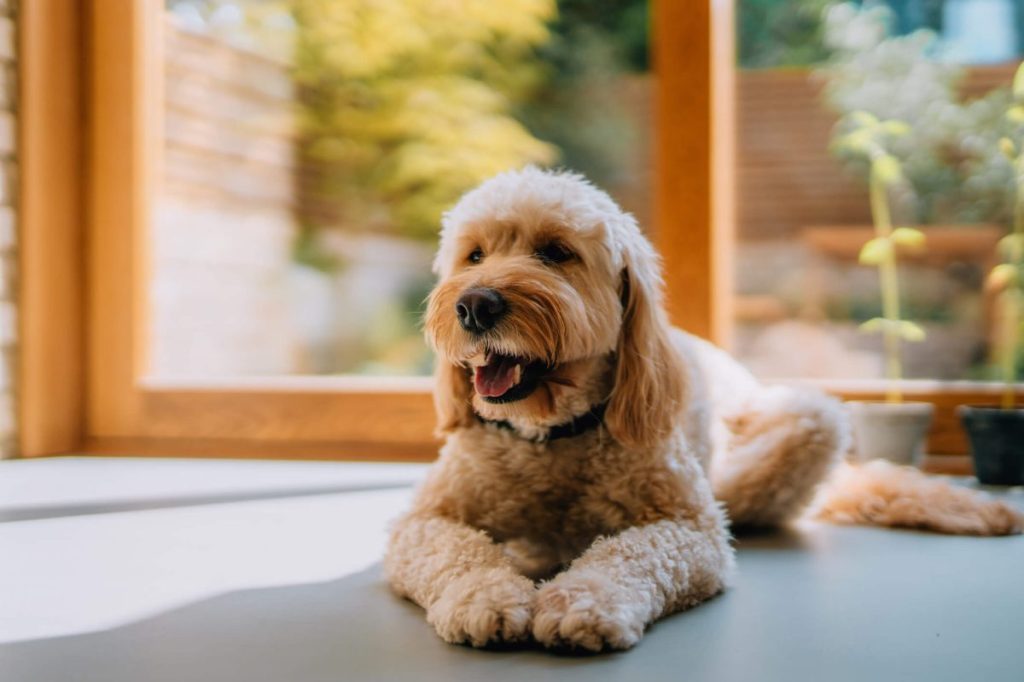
<point>452,397</point>
<point>647,397</point>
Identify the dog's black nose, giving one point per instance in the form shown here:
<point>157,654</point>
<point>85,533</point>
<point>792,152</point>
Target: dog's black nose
<point>480,309</point>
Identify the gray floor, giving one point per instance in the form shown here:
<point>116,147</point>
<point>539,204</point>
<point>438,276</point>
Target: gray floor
<point>816,603</point>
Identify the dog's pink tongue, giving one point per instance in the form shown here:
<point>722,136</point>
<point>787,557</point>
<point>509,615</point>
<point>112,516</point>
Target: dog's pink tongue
<point>496,377</point>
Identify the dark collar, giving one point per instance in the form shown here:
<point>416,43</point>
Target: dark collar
<point>588,421</point>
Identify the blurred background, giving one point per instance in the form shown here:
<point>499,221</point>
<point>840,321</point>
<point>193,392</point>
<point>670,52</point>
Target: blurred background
<point>306,163</point>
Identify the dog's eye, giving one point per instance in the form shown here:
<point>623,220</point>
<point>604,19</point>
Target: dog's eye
<point>475,256</point>
<point>553,252</point>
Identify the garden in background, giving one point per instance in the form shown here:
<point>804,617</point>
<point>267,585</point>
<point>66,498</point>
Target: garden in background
<point>311,146</point>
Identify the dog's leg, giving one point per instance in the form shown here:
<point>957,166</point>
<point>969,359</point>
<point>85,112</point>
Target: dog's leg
<point>880,493</point>
<point>781,446</point>
<point>461,577</point>
<point>623,583</point>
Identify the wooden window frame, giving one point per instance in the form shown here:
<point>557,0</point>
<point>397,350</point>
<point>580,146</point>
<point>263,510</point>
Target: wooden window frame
<point>102,402</point>
<point>89,143</point>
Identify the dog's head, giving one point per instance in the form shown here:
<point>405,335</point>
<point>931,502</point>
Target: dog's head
<point>549,299</point>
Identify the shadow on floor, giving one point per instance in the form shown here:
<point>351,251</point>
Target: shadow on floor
<point>349,629</point>
<point>850,604</point>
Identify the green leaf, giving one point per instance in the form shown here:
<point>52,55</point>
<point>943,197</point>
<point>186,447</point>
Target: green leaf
<point>895,127</point>
<point>908,236</point>
<point>864,119</point>
<point>875,251</point>
<point>1008,149</point>
<point>911,331</point>
<point>1002,276</point>
<point>1015,114</point>
<point>875,324</point>
<point>886,168</point>
<point>1018,83</point>
<point>1011,247</point>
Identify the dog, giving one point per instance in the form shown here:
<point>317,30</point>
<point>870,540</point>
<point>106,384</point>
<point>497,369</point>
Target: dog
<point>594,456</point>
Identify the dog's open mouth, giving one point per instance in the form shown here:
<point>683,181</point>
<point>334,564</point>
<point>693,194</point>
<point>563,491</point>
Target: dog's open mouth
<point>506,378</point>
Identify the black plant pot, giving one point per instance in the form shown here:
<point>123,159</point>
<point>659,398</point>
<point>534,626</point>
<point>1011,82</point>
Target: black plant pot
<point>997,443</point>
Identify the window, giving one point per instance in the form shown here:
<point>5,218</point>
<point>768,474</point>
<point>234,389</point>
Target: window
<point>805,72</point>
<point>258,190</point>
<point>264,186</point>
<point>309,148</point>
<point>804,212</point>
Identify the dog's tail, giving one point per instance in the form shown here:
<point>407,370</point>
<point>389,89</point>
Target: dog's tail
<point>879,493</point>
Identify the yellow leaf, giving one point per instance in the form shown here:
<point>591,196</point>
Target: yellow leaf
<point>886,168</point>
<point>1018,83</point>
<point>908,236</point>
<point>1015,114</point>
<point>896,128</point>
<point>1007,147</point>
<point>1011,247</point>
<point>911,331</point>
<point>864,119</point>
<point>1002,276</point>
<point>858,141</point>
<point>875,251</point>
<point>873,325</point>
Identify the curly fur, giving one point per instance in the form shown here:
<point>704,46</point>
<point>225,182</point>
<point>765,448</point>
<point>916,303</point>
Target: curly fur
<point>625,523</point>
<point>884,494</point>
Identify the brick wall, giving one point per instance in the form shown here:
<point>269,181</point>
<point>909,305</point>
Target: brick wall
<point>8,239</point>
<point>224,218</point>
<point>226,296</point>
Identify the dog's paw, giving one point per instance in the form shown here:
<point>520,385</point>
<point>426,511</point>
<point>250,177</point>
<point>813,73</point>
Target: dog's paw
<point>989,517</point>
<point>484,607</point>
<point>585,612</point>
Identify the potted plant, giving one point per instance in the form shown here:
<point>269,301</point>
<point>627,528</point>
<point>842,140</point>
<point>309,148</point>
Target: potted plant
<point>996,433</point>
<point>893,429</point>
<point>956,188</point>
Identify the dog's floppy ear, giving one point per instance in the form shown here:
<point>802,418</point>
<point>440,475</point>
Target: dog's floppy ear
<point>649,383</point>
<point>452,397</point>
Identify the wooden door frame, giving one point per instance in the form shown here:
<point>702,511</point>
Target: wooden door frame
<point>51,301</point>
<point>694,200</point>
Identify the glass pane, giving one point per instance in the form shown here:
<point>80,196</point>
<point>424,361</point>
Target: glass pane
<point>310,147</point>
<point>816,83</point>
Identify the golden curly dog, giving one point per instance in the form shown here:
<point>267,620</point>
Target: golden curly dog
<point>592,447</point>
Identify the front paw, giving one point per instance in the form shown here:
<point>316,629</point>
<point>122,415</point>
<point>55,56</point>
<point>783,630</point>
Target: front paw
<point>586,612</point>
<point>484,607</point>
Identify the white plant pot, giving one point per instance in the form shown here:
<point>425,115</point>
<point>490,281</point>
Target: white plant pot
<point>893,431</point>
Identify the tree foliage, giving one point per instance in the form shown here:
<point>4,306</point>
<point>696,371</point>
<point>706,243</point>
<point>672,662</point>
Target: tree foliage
<point>406,104</point>
<point>581,107</point>
<point>771,33</point>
